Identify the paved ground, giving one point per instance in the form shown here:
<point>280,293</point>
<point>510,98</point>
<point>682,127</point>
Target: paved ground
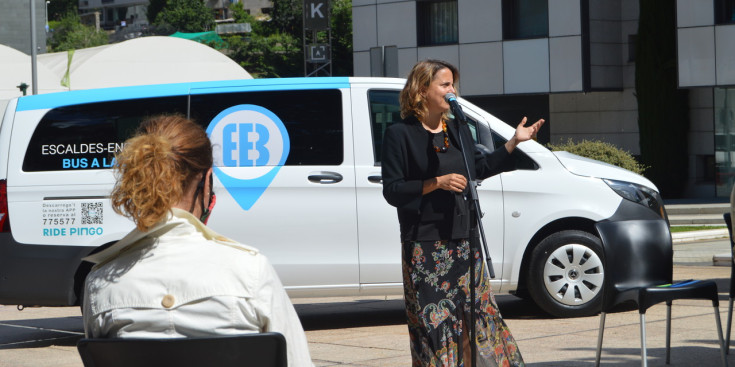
<point>372,331</point>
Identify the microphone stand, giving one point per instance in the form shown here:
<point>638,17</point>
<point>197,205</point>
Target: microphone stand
<point>476,231</point>
<point>475,203</point>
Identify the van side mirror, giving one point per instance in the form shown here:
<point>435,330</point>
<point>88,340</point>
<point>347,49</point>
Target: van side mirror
<point>483,149</point>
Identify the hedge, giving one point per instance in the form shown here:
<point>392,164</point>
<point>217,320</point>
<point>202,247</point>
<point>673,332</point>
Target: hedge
<point>601,151</point>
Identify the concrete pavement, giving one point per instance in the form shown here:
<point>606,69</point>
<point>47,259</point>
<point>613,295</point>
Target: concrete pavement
<point>371,331</point>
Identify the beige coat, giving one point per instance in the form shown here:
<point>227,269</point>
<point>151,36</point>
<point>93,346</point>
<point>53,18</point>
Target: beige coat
<point>732,210</point>
<point>181,279</point>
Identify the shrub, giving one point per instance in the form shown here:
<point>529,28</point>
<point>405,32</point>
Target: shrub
<point>70,34</point>
<point>601,151</point>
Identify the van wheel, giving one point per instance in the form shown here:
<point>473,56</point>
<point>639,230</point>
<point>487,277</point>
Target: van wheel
<point>566,274</point>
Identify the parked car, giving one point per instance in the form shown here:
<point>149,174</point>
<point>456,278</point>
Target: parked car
<point>297,167</point>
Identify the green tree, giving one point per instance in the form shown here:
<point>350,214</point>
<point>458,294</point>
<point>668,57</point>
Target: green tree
<point>268,56</point>
<point>241,16</point>
<point>185,16</point>
<point>57,9</point>
<point>154,7</point>
<point>287,17</point>
<point>663,109</point>
<point>272,49</point>
<point>71,34</point>
<point>275,48</point>
<point>341,23</point>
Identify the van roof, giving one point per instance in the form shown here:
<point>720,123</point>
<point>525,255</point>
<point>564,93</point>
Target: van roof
<point>53,100</point>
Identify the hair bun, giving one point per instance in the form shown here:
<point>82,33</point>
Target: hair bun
<point>157,165</point>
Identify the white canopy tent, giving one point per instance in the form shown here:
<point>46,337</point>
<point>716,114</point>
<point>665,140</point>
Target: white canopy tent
<point>15,68</point>
<point>145,60</point>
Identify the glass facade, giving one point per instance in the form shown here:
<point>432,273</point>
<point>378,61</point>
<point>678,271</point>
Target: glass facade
<point>524,19</point>
<point>725,11</point>
<point>724,111</point>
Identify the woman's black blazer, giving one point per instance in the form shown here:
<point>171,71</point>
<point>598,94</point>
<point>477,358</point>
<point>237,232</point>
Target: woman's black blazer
<point>408,158</point>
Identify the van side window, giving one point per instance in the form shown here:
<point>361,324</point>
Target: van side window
<point>521,160</point>
<point>385,109</point>
<point>313,119</point>
<point>87,136</point>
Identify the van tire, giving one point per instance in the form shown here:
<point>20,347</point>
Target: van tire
<point>566,274</point>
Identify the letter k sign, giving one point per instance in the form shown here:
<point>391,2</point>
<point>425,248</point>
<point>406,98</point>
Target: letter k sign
<point>316,9</point>
<point>316,14</point>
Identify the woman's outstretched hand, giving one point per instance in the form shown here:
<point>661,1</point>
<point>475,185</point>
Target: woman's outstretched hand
<point>523,133</point>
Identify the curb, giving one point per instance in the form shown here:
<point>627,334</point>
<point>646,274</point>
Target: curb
<point>708,234</point>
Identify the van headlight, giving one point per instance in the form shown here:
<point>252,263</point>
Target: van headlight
<point>638,194</point>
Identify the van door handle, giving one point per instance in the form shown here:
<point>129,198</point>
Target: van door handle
<point>325,177</point>
<point>376,179</point>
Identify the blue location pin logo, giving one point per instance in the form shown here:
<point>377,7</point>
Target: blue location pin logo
<point>248,136</point>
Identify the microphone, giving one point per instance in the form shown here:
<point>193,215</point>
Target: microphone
<point>456,108</point>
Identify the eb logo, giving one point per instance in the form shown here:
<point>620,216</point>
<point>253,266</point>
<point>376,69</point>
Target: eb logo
<point>248,136</point>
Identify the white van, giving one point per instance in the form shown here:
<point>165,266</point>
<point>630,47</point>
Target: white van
<point>297,176</point>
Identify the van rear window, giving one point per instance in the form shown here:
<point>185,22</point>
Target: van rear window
<point>87,136</point>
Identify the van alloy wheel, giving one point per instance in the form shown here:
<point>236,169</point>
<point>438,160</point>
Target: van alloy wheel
<point>566,274</point>
<point>573,274</point>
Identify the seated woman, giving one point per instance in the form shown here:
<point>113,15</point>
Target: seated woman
<point>172,276</point>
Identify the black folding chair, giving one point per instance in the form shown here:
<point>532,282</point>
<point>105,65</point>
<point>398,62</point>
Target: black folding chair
<point>728,222</point>
<point>633,278</point>
<point>256,350</point>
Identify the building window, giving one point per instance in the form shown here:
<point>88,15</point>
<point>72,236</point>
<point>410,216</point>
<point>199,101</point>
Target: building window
<point>220,13</point>
<point>437,22</point>
<point>725,11</point>
<point>724,140</point>
<point>525,19</point>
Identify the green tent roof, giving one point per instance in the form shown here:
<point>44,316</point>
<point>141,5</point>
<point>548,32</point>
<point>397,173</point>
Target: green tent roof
<point>207,38</point>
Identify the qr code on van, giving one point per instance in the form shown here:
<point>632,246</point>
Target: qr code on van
<point>92,213</point>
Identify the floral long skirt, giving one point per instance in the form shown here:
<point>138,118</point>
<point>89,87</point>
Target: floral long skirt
<point>436,279</point>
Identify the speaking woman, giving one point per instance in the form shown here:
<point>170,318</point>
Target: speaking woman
<point>424,177</point>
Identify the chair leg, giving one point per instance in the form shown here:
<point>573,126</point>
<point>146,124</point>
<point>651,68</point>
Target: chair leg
<point>644,361</point>
<point>668,333</point>
<point>599,338</point>
<point>729,327</point>
<point>719,335</point>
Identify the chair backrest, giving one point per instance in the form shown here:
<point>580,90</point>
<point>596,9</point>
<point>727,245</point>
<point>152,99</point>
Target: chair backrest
<point>256,349</point>
<point>629,247</point>
<point>728,222</point>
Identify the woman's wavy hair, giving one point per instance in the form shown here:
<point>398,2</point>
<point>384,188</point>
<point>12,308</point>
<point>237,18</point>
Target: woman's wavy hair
<point>154,168</point>
<point>420,77</point>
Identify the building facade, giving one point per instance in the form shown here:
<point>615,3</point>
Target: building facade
<point>706,60</point>
<point>15,24</point>
<point>252,7</point>
<point>571,62</point>
<point>117,14</point>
